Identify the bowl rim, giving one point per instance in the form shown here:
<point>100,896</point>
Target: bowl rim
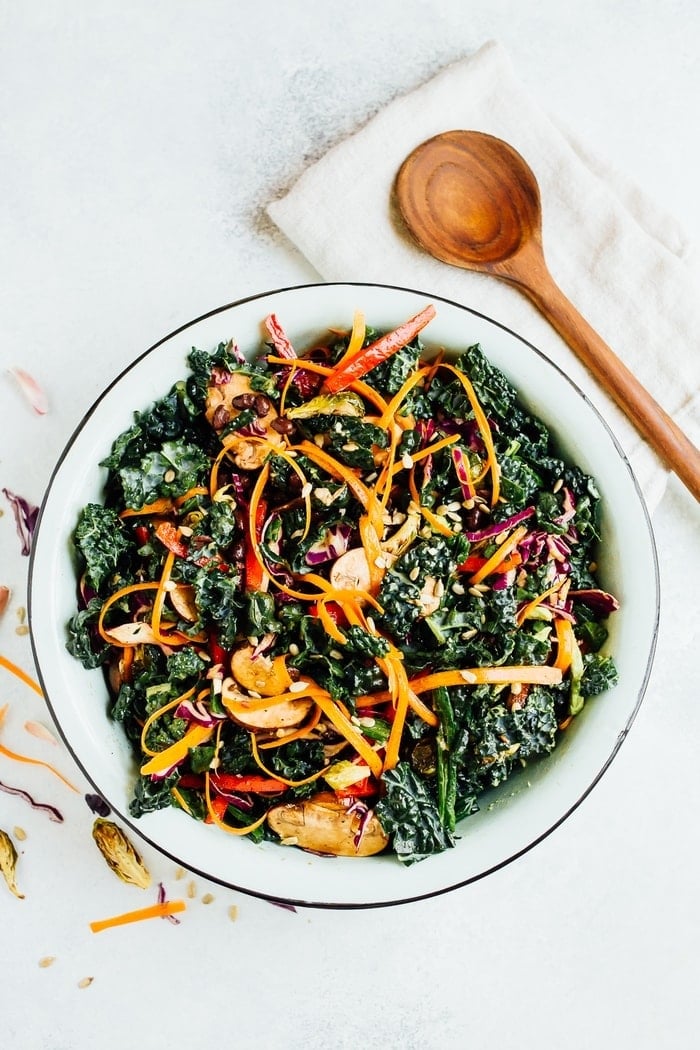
<point>131,822</point>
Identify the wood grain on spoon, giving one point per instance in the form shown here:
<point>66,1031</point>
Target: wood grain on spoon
<point>471,201</point>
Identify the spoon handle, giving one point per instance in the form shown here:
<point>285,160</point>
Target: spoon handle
<point>647,415</point>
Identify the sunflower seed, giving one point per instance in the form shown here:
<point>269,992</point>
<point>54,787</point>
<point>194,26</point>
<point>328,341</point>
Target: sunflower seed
<point>298,687</point>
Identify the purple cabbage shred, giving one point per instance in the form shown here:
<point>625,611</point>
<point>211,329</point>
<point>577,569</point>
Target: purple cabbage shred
<point>26,515</point>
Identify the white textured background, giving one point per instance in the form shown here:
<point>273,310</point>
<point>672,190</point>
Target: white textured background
<point>139,145</point>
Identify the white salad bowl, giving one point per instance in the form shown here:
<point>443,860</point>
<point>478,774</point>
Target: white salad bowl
<point>533,803</point>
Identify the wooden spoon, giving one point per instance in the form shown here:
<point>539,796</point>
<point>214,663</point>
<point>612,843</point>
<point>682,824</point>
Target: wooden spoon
<point>471,200</point>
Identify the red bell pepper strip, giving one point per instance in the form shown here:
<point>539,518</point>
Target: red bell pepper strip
<point>472,564</point>
<point>334,611</point>
<point>380,350</point>
<point>254,782</point>
<point>191,780</point>
<point>234,782</point>
<point>219,805</point>
<point>169,536</point>
<point>254,574</point>
<point>216,651</point>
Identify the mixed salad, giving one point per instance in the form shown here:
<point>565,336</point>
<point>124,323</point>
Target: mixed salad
<point>339,592</point>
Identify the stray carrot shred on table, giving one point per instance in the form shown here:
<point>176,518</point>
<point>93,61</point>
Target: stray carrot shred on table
<point>153,911</point>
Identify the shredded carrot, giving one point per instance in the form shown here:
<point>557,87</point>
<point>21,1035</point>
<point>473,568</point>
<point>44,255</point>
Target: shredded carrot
<point>407,386</point>
<point>157,714</point>
<point>565,637</point>
<point>170,755</point>
<point>214,472</point>
<point>159,506</point>
<point>358,387</point>
<point>159,599</point>
<point>336,469</point>
<point>433,367</point>
<point>232,701</point>
<point>276,776</point>
<point>527,610</point>
<point>348,730</point>
<point>383,482</point>
<point>329,625</point>
<point>216,819</point>
<point>19,673</point>
<point>154,911</point>
<point>436,523</point>
<point>37,762</point>
<point>345,597</point>
<point>370,536</point>
<point>484,430</point>
<point>277,450</point>
<point>423,452</point>
<point>391,756</point>
<point>196,490</point>
<point>116,597</point>
<point>287,384</point>
<point>535,674</point>
<point>499,555</point>
<point>253,509</point>
<point>357,338</point>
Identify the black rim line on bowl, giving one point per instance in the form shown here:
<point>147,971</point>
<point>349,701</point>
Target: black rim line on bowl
<point>350,906</point>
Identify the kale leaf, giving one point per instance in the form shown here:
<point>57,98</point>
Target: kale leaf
<point>150,795</point>
<point>219,600</point>
<point>408,813</point>
<point>102,541</point>
<point>599,674</point>
<point>83,642</point>
<point>184,664</point>
<point>169,471</point>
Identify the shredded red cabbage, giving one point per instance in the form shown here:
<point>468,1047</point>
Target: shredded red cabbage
<point>26,515</point>
<point>500,526</point>
<point>596,599</point>
<point>196,711</point>
<point>332,544</point>
<point>98,805</point>
<point>263,645</point>
<point>53,813</point>
<point>279,337</point>
<point>161,900</point>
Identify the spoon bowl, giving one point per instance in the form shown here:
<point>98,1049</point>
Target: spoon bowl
<point>471,200</point>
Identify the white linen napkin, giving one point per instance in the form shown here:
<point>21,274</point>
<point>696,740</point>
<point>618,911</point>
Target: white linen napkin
<point>619,258</point>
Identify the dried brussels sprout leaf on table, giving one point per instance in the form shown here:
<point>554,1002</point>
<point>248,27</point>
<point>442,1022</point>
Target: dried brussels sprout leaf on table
<point>120,854</point>
<point>8,863</point>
